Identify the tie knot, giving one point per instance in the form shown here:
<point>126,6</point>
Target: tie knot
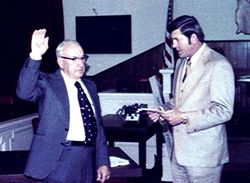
<point>77,84</point>
<point>188,61</point>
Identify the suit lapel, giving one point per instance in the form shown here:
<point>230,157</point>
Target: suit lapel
<point>193,78</point>
<point>180,66</point>
<point>61,91</point>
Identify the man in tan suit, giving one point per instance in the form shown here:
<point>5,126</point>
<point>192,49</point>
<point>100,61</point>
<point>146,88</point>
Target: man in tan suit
<point>203,100</point>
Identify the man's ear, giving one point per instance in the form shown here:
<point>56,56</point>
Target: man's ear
<point>60,62</point>
<point>194,38</point>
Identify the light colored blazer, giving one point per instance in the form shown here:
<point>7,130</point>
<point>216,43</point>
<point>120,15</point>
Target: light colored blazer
<point>207,100</point>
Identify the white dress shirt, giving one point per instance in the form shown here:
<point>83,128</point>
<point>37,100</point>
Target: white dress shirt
<point>76,129</point>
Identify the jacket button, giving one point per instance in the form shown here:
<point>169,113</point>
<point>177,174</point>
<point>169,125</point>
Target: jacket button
<point>66,129</point>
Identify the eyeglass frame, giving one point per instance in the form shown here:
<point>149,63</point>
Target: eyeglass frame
<point>74,59</point>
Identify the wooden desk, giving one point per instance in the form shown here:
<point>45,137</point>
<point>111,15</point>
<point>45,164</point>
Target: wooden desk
<point>244,78</point>
<point>131,170</point>
<point>243,93</point>
<point>117,130</point>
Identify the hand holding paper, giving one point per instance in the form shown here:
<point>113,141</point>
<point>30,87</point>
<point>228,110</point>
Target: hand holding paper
<point>158,109</point>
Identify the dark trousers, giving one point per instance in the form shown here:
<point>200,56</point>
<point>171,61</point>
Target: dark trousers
<point>76,165</point>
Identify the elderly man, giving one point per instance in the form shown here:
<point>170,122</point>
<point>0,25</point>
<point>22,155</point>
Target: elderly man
<point>69,145</point>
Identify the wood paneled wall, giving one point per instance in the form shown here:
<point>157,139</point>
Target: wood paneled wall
<point>131,76</point>
<point>237,52</point>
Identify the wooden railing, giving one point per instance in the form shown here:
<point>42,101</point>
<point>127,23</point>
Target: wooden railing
<point>16,134</point>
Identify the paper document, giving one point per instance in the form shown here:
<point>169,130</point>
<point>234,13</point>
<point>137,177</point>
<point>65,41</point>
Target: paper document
<point>116,161</point>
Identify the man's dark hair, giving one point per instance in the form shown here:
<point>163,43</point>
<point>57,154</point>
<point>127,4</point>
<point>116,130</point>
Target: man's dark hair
<point>188,25</point>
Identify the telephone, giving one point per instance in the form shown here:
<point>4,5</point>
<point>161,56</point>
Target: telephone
<point>131,113</point>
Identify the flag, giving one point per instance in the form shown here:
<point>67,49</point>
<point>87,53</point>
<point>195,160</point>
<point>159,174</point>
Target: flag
<point>168,51</point>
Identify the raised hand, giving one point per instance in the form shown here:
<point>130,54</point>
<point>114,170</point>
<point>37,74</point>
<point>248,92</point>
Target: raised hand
<point>39,44</point>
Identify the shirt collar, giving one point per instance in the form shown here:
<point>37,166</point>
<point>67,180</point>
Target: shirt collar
<point>67,79</point>
<point>195,57</point>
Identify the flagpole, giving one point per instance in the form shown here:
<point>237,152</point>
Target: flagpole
<point>168,56</point>
<point>168,51</point>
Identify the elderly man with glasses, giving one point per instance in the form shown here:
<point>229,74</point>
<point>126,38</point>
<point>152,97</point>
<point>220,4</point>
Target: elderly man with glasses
<point>64,149</point>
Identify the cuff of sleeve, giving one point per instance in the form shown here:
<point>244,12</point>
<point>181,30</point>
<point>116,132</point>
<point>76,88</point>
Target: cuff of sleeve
<point>35,57</point>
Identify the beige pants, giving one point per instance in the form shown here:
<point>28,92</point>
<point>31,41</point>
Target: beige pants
<point>184,174</point>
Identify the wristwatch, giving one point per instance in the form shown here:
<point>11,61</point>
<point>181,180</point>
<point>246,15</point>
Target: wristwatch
<point>184,120</point>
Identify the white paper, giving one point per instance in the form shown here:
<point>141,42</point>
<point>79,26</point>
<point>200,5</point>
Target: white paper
<point>116,161</point>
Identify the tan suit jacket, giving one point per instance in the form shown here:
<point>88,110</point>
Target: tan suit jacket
<point>207,100</point>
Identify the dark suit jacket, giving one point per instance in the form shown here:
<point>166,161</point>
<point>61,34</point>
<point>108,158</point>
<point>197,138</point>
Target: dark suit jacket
<point>49,90</point>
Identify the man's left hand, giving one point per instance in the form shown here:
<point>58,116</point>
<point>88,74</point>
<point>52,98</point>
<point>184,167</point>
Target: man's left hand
<point>172,116</point>
<point>103,174</point>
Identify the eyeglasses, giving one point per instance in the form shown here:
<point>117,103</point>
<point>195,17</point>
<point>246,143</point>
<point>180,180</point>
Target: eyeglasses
<point>74,59</point>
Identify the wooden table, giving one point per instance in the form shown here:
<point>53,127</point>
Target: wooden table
<point>118,130</point>
<point>244,88</point>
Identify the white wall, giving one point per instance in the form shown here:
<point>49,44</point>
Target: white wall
<point>148,25</point>
<point>149,21</point>
<point>217,17</point>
